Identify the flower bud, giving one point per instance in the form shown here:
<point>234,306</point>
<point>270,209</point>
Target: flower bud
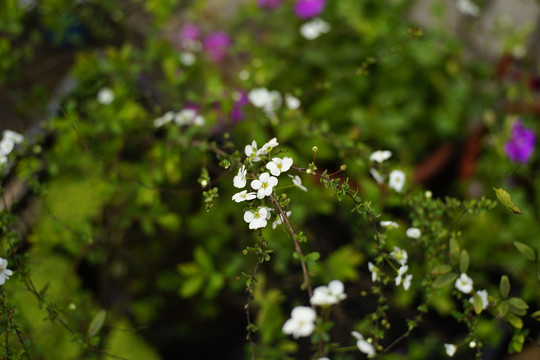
<point>314,148</point>
<point>343,167</point>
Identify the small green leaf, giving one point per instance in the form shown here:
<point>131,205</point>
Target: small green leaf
<point>525,250</point>
<point>516,343</point>
<point>441,269</point>
<point>478,304</point>
<point>192,285</point>
<point>518,303</point>
<point>464,261</point>
<point>506,200</point>
<point>502,309</point>
<point>96,324</point>
<point>202,258</point>
<point>536,315</point>
<point>504,286</point>
<point>514,320</point>
<point>444,280</point>
<point>26,344</point>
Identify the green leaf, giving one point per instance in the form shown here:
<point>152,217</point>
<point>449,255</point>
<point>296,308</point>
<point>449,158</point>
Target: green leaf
<point>517,342</point>
<point>518,303</point>
<point>502,309</point>
<point>525,250</point>
<point>506,200</point>
<point>478,304</point>
<point>192,285</point>
<point>464,261</point>
<point>536,315</point>
<point>202,258</point>
<point>96,324</point>
<point>26,344</point>
<point>441,269</point>
<point>444,280</point>
<point>504,286</point>
<point>514,320</point>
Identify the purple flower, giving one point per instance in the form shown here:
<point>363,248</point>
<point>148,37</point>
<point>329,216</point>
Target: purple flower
<point>189,36</point>
<point>237,113</point>
<point>269,4</point>
<point>521,144</point>
<point>217,44</point>
<point>307,9</point>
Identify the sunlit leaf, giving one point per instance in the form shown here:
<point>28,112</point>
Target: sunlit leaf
<point>505,199</point>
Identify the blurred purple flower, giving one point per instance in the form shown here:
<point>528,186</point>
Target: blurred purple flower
<point>189,36</point>
<point>521,144</point>
<point>307,9</point>
<point>217,44</point>
<point>241,100</point>
<point>269,4</point>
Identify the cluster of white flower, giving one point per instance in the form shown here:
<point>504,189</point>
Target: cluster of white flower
<point>314,28</point>
<point>328,295</point>
<point>397,177</point>
<point>364,345</point>
<point>264,184</point>
<point>105,96</point>
<point>270,101</point>
<point>181,118</point>
<point>401,256</point>
<point>5,273</point>
<point>466,285</point>
<point>9,140</point>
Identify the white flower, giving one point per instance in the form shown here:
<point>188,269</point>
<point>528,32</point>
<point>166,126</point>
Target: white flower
<point>484,296</point>
<point>185,117</point>
<point>472,344</point>
<point>243,196</point>
<point>401,271</point>
<point>5,273</point>
<point>166,118</point>
<point>188,58</point>
<point>279,219</point>
<point>13,136</point>
<point>301,323</point>
<point>464,284</point>
<point>105,96</point>
<point>6,146</point>
<point>407,282</point>
<point>450,349</point>
<point>324,358</point>
<point>314,28</point>
<point>3,159</point>
<point>328,295</point>
<point>266,148</point>
<point>292,102</point>
<point>298,182</point>
<point>467,7</point>
<point>251,152</point>
<point>256,219</point>
<point>397,180</point>
<point>239,180</point>
<point>380,155</point>
<point>377,176</point>
<point>413,233</point>
<point>363,345</point>
<point>264,185</point>
<point>277,165</point>
<point>374,272</point>
<point>400,255</point>
<point>390,224</point>
<point>267,100</point>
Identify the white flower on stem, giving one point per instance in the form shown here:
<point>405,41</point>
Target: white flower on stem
<point>328,295</point>
<point>5,273</point>
<point>400,255</point>
<point>407,282</point>
<point>267,100</point>
<point>266,148</point>
<point>484,296</point>
<point>397,180</point>
<point>105,96</point>
<point>187,58</point>
<point>277,165</point>
<point>243,196</point>
<point>467,7</point>
<point>298,182</point>
<point>413,233</point>
<point>256,219</point>
<point>376,175</point>
<point>390,224</point>
<point>6,146</point>
<point>314,28</point>
<point>301,323</point>
<point>264,185</point>
<point>450,349</point>
<point>185,117</point>
<point>292,102</point>
<point>239,180</point>
<point>464,284</point>
<point>166,118</point>
<point>251,152</point>
<point>401,271</point>
<point>13,136</point>
<point>374,272</point>
<point>380,155</point>
<point>279,219</point>
<point>364,346</point>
